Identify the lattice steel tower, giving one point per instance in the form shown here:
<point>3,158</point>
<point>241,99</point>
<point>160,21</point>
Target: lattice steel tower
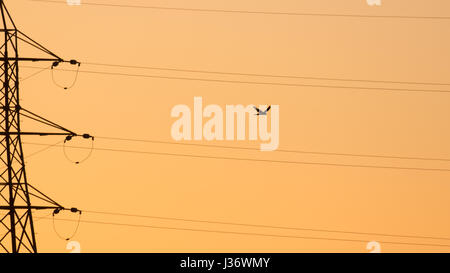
<point>18,198</point>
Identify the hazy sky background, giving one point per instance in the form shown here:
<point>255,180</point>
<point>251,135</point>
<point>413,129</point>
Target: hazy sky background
<point>411,124</point>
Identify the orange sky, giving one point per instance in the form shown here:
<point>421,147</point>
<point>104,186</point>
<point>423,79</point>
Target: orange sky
<point>412,124</point>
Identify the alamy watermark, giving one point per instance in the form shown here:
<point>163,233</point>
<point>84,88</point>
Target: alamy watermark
<point>373,247</point>
<point>74,247</point>
<point>374,2</point>
<point>73,2</point>
<point>237,122</point>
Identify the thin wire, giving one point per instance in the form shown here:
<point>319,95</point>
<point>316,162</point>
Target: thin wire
<point>253,12</point>
<point>33,154</point>
<point>36,219</point>
<point>278,150</point>
<point>261,160</point>
<point>252,234</point>
<point>256,75</point>
<point>265,226</point>
<point>39,151</point>
<point>73,82</point>
<point>264,75</point>
<point>261,83</point>
<point>44,149</point>
<point>57,233</point>
<point>35,74</point>
<point>80,161</point>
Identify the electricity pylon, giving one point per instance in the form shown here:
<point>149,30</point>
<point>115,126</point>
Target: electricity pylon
<point>17,197</point>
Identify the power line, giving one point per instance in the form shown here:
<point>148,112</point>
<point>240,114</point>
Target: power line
<point>278,150</point>
<point>263,75</point>
<point>257,160</point>
<point>263,226</point>
<point>44,149</point>
<point>42,217</point>
<point>253,12</point>
<point>248,225</point>
<point>256,74</point>
<point>35,74</point>
<point>256,82</point>
<point>39,151</point>
<point>248,233</point>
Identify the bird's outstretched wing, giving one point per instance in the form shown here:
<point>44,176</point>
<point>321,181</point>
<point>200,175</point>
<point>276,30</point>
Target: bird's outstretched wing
<point>268,108</point>
<point>257,109</point>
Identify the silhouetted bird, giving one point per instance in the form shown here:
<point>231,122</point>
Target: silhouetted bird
<point>261,113</point>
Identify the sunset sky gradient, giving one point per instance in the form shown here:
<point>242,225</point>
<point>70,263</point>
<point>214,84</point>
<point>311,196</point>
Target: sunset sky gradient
<point>316,119</point>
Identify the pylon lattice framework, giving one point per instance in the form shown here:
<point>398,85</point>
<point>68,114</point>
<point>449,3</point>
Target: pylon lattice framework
<point>18,198</point>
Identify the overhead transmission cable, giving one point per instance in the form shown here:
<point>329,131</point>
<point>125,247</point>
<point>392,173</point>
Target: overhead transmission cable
<point>47,146</point>
<point>278,150</point>
<point>259,160</point>
<point>257,74</point>
<point>263,226</point>
<point>66,238</point>
<point>384,89</point>
<point>252,12</point>
<point>251,233</point>
<point>44,149</point>
<point>65,87</point>
<point>262,75</point>
<point>34,74</point>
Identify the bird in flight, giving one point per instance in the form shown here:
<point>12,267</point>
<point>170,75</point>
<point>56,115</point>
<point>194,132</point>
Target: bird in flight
<point>261,113</point>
